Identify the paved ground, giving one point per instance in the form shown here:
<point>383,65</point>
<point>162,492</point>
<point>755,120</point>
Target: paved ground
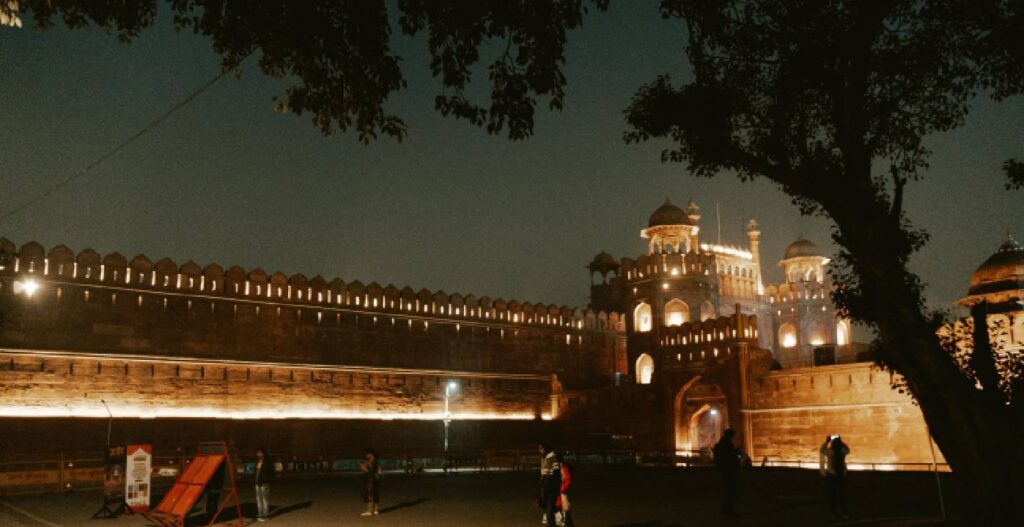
<point>611,498</point>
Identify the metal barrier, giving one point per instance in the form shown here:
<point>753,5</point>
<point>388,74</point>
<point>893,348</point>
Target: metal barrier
<point>809,464</point>
<point>70,473</point>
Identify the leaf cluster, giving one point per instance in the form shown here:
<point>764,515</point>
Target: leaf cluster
<point>337,56</point>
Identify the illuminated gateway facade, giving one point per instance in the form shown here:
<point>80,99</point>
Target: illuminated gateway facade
<point>677,345</point>
<point>682,282</point>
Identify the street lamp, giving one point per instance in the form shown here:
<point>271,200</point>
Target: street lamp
<point>449,389</point>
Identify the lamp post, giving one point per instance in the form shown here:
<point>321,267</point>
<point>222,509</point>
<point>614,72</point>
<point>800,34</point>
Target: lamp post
<point>449,389</point>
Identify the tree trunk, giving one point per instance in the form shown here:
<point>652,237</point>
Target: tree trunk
<point>980,435</point>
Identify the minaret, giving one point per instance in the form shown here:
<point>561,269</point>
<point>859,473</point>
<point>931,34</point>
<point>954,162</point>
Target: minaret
<point>754,235</point>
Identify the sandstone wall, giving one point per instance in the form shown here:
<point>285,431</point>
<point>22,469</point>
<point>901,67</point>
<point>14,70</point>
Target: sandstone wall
<point>791,412</point>
<point>66,385</point>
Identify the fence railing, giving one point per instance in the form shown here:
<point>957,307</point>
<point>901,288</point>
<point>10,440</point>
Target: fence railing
<point>71,473</point>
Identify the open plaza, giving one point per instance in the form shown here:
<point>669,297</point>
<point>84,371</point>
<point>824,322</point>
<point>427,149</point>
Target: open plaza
<point>604,497</point>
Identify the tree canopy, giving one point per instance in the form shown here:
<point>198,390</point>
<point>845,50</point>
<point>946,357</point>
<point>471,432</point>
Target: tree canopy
<point>338,59</point>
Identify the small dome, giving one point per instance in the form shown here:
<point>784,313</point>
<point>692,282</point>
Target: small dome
<point>1003,271</point>
<point>669,214</point>
<point>802,247</point>
<point>603,262</point>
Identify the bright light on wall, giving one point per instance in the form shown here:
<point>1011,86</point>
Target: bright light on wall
<point>83,409</point>
<point>26,287</point>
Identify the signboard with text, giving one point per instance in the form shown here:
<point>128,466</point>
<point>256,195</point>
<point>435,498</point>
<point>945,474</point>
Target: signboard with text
<point>137,489</point>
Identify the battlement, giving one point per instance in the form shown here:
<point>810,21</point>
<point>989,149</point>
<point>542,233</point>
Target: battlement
<point>671,264</point>
<point>62,265</point>
<point>722,329</point>
<point>797,291</point>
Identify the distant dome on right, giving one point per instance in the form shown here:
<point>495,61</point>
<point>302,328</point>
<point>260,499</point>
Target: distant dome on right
<point>1000,277</point>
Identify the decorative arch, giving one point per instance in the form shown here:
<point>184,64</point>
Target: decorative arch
<point>842,332</point>
<point>643,319</point>
<point>707,310</point>
<point>816,334</point>
<point>787,335</point>
<point>644,369</point>
<point>677,312</point>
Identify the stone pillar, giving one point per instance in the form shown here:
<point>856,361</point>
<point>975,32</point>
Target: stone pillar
<point>754,235</point>
<point>743,364</point>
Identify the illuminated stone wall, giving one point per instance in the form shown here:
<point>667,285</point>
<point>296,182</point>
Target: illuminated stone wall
<point>73,385</point>
<point>83,303</point>
<point>791,412</point>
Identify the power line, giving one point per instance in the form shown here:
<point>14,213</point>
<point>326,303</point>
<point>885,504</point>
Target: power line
<point>124,144</point>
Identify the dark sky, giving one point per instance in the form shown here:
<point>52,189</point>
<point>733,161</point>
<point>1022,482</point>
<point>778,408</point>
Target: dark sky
<point>227,180</point>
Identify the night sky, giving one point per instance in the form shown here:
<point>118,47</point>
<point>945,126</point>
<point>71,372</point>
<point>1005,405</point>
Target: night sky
<point>228,180</point>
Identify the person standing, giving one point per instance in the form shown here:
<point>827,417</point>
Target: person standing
<point>824,456</point>
<point>563,502</point>
<point>371,470</point>
<point>550,483</point>
<point>727,459</point>
<point>264,476</point>
<point>835,474</point>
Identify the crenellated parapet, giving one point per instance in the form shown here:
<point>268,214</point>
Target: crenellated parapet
<point>61,265</point>
<point>797,291</point>
<point>733,328</point>
<point>667,264</point>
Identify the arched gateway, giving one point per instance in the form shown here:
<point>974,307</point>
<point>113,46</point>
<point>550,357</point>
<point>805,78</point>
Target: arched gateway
<point>700,415</point>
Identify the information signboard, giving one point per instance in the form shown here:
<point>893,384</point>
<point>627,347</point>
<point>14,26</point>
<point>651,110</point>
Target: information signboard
<point>137,489</point>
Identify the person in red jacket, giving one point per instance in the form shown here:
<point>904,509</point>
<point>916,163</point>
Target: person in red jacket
<point>562,502</point>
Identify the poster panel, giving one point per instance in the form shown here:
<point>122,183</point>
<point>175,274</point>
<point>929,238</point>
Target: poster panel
<point>138,487</point>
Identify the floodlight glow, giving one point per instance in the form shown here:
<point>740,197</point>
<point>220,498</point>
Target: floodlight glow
<point>26,287</point>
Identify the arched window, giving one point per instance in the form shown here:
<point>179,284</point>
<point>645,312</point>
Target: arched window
<point>787,336</point>
<point>642,319</point>
<point>644,369</point>
<point>843,333</point>
<point>677,313</point>
<point>707,310</point>
<point>816,334</point>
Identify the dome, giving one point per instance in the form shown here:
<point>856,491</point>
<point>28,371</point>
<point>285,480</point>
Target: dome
<point>802,247</point>
<point>1003,271</point>
<point>669,214</point>
<point>603,262</point>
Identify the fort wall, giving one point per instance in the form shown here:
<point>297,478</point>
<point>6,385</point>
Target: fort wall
<point>792,411</point>
<point>110,305</point>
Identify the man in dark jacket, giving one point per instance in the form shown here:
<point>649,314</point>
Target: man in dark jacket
<point>727,459</point>
<point>264,476</point>
<point>550,483</point>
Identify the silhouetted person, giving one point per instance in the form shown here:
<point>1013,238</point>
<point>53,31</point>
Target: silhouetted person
<point>563,503</point>
<point>824,454</point>
<point>835,475</point>
<point>550,483</point>
<point>371,482</point>
<point>264,476</point>
<point>727,459</point>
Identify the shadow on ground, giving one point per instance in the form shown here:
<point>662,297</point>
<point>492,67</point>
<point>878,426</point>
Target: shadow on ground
<point>403,505</point>
<point>249,510</point>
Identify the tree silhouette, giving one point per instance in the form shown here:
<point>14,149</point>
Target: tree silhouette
<point>830,99</point>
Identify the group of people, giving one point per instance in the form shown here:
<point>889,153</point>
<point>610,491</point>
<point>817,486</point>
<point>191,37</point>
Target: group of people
<point>728,459</point>
<point>369,467</point>
<point>555,484</point>
<point>556,479</point>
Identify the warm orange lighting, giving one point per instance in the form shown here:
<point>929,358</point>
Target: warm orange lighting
<point>26,287</point>
<point>89,409</point>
